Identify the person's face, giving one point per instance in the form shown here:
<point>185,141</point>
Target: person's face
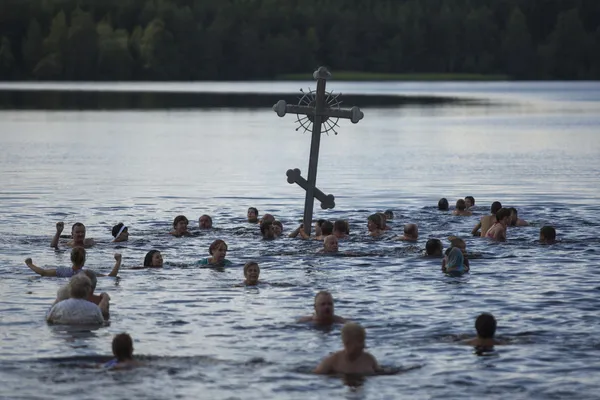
<point>324,306</point>
<point>468,203</point>
<point>371,226</point>
<point>123,237</point>
<point>331,245</point>
<point>78,233</point>
<point>157,260</point>
<point>354,347</point>
<point>219,253</point>
<point>277,230</point>
<point>252,274</point>
<point>252,217</point>
<point>181,226</point>
<point>205,222</point>
<point>317,229</point>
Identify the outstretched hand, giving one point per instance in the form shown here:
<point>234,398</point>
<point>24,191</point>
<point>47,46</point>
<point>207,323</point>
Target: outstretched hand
<point>28,261</point>
<point>60,226</point>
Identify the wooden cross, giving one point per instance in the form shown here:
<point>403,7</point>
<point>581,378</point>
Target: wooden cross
<point>318,112</point>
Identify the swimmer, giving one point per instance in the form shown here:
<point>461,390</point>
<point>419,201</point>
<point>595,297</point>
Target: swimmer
<point>76,310</point>
<point>352,359</point>
<point>460,244</point>
<point>340,229</point>
<point>461,209</point>
<point>267,218</point>
<point>77,260</point>
<point>217,251</point>
<point>454,261</point>
<point>384,225</point>
<point>252,215</point>
<point>411,233</point>
<point>251,273</point>
<point>324,311</point>
<point>77,234</point>
<point>180,226</point>
<point>487,220</point>
<point>267,230</point>
<point>102,300</point>
<point>375,225</point>
<point>389,215</point>
<point>443,204</point>
<point>330,245</point>
<point>120,233</point>
<point>514,218</point>
<point>434,248</point>
<point>547,235</point>
<point>122,348</point>
<point>470,202</point>
<point>303,235</point>
<point>497,231</point>
<point>326,230</point>
<point>277,228</point>
<point>153,259</point>
<point>205,222</point>
<point>485,324</point>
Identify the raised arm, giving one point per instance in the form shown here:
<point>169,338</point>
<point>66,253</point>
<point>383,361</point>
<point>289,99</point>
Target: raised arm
<point>38,270</point>
<point>59,228</point>
<point>115,269</point>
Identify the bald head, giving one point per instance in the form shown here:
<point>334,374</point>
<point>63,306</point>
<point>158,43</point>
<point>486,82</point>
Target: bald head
<point>411,231</point>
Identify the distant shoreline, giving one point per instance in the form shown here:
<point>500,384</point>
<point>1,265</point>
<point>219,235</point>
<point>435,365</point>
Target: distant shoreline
<point>416,77</point>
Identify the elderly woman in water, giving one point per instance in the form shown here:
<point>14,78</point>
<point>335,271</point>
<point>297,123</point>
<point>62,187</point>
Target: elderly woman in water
<point>251,273</point>
<point>76,310</point>
<point>217,251</point>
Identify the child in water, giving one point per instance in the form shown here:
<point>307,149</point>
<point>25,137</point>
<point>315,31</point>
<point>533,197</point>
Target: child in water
<point>122,347</point>
<point>485,324</point>
<point>352,359</point>
<point>217,251</point>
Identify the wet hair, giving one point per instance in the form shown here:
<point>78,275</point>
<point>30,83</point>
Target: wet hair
<point>206,215</point>
<point>485,325</point>
<point>264,227</point>
<point>178,219</point>
<point>457,242</point>
<point>93,278</point>
<point>321,293</point>
<point>78,256</point>
<point>432,246</point>
<point>377,220</point>
<point>471,198</point>
<point>148,258</point>
<point>461,205</point>
<point>326,228</point>
<point>502,213</point>
<point>548,232</point>
<point>215,245</point>
<point>75,225</point>
<point>389,214</point>
<point>495,207</point>
<point>410,229</point>
<point>340,226</point>
<point>122,347</point>
<point>268,218</point>
<point>320,222</point>
<point>80,286</point>
<point>443,204</point>
<point>352,330</point>
<point>278,223</point>
<point>253,209</point>
<point>513,210</point>
<point>248,265</point>
<point>117,228</point>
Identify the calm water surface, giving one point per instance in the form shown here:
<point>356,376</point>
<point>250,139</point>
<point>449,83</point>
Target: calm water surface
<point>204,337</point>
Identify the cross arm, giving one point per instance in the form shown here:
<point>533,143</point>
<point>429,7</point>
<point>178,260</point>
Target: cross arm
<point>354,114</point>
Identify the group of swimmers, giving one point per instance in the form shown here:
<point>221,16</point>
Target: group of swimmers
<point>76,302</point>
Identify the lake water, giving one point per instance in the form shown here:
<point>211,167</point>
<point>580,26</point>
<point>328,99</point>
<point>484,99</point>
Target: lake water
<point>534,146</point>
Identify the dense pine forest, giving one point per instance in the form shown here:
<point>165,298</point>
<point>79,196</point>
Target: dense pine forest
<point>264,39</point>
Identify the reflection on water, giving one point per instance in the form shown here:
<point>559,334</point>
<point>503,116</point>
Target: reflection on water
<point>200,332</point>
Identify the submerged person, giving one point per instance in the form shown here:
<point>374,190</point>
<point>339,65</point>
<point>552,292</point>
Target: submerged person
<point>384,225</point>
<point>267,230</point>
<point>461,209</point>
<point>443,204</point>
<point>340,229</point>
<point>205,222</point>
<point>547,235</point>
<point>122,348</point>
<point>353,359</point>
<point>252,215</point>
<point>180,226</point>
<point>330,245</point>
<point>77,234</point>
<point>120,233</point>
<point>470,202</point>
<point>454,263</point>
<point>514,218</point>
<point>487,220</point>
<point>277,228</point>
<point>411,233</point>
<point>389,214</point>
<point>324,311</point>
<point>251,273</point>
<point>153,259</point>
<point>76,310</point>
<point>434,248</point>
<point>375,225</point>
<point>485,324</point>
<point>497,231</point>
<point>102,300</point>
<point>78,261</point>
<point>217,251</point>
<point>267,218</point>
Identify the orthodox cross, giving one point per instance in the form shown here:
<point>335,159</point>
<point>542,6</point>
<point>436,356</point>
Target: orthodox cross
<point>316,108</point>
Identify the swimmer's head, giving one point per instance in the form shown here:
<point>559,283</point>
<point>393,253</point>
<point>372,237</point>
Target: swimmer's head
<point>318,227</point>
<point>353,338</point>
<point>330,244</point>
<point>80,286</point>
<point>122,347</point>
<point>458,243</point>
<point>443,204</point>
<point>470,201</point>
<point>63,293</point>
<point>434,247</point>
<point>496,206</point>
<point>205,222</point>
<point>503,216</point>
<point>389,214</point>
<point>547,234</point>
<point>218,249</point>
<point>461,205</point>
<point>267,230</point>
<point>326,228</point>
<point>375,222</point>
<point>277,227</point>
<point>93,278</point>
<point>514,216</point>
<point>78,256</point>
<point>153,259</point>
<point>251,272</point>
<point>252,214</point>
<point>268,218</point>
<point>324,305</point>
<point>78,232</point>
<point>340,228</point>
<point>411,230</point>
<point>120,232</point>
<point>383,220</point>
<point>485,325</point>
<point>180,223</point>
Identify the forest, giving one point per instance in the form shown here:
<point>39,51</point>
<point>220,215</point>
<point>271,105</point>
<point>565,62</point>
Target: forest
<point>164,40</point>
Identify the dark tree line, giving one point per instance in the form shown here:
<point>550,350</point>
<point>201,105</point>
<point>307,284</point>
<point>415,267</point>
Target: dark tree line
<point>260,39</point>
